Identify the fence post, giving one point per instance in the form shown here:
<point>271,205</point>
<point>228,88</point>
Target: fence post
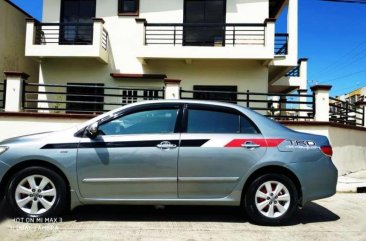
<point>172,89</point>
<point>321,93</point>
<point>14,89</point>
<point>362,106</point>
<point>302,100</point>
<point>282,106</point>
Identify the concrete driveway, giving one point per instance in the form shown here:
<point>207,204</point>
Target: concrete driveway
<point>342,217</point>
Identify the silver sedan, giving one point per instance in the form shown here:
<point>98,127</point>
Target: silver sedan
<point>169,153</point>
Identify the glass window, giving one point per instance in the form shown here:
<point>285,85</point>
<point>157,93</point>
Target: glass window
<point>128,7</point>
<point>207,121</point>
<point>247,127</point>
<point>144,122</point>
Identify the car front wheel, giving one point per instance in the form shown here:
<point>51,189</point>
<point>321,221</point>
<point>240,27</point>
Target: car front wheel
<point>271,199</point>
<point>37,192</point>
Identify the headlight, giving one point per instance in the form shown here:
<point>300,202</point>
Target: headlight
<point>3,149</point>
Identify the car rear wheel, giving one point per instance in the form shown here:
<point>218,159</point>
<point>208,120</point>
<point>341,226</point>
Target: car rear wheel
<point>37,192</point>
<point>271,199</point>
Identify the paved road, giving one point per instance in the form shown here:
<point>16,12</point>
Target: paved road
<point>342,217</point>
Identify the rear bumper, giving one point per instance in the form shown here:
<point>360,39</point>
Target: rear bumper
<point>318,179</point>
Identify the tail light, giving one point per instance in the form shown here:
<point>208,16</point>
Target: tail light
<point>327,150</point>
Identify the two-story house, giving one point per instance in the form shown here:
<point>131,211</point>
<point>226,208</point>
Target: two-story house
<point>208,45</point>
<point>12,48</point>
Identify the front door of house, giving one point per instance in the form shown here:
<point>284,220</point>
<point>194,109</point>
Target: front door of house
<point>77,21</point>
<point>204,22</point>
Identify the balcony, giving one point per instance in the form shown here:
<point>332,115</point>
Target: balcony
<point>71,40</point>
<point>207,41</point>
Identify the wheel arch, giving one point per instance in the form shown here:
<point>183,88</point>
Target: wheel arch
<point>30,163</point>
<point>270,170</point>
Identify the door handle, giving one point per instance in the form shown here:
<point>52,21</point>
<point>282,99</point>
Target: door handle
<point>165,145</point>
<point>250,145</point>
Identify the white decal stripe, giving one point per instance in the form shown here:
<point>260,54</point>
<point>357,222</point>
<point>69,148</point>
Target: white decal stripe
<point>217,142</point>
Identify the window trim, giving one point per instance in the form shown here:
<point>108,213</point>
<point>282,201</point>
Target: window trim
<point>147,107</point>
<point>136,13</point>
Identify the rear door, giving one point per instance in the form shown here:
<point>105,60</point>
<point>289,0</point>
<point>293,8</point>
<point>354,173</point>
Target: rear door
<point>218,146</point>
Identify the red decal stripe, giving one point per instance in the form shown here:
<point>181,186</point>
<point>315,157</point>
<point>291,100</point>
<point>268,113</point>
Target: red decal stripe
<point>261,142</point>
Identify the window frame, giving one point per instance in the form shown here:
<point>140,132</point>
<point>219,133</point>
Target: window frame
<point>178,122</point>
<point>224,109</point>
<point>136,13</point>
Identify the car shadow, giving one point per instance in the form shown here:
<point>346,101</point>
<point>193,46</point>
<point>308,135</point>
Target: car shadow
<point>311,213</point>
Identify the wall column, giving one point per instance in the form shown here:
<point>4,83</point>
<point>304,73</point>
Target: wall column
<point>362,106</point>
<point>282,106</point>
<point>302,99</point>
<point>292,29</point>
<point>14,90</point>
<point>172,89</point>
<point>321,102</point>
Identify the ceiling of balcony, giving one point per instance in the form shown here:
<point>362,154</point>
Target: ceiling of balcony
<point>275,7</point>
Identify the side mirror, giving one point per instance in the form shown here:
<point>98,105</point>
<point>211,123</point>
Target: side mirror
<point>92,130</point>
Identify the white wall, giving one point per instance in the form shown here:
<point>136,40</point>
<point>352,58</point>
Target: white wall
<point>12,126</point>
<point>12,43</point>
<point>349,146</point>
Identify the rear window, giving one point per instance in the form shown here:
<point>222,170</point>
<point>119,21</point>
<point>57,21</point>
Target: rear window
<point>207,121</point>
<point>212,121</point>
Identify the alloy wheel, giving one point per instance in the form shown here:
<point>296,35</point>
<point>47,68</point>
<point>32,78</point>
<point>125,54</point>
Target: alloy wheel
<point>272,199</point>
<point>35,194</point>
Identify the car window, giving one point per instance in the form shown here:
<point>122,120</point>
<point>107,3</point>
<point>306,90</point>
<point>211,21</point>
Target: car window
<point>247,126</point>
<point>144,122</point>
<point>208,121</point>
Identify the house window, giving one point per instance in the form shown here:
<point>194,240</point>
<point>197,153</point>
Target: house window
<point>82,99</point>
<point>214,94</point>
<point>128,7</point>
<point>129,96</point>
<point>132,96</point>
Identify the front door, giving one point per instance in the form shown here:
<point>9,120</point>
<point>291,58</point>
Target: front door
<point>134,157</point>
<point>218,147</point>
<point>204,22</point>
<point>77,21</point>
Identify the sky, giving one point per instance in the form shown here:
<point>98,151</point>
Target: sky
<point>331,35</point>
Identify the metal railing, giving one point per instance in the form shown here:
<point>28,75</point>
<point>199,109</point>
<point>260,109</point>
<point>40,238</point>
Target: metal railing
<point>281,44</point>
<point>2,94</point>
<point>105,39</point>
<point>82,98</point>
<point>294,72</point>
<point>346,113</point>
<point>64,33</point>
<point>273,105</point>
<point>196,34</point>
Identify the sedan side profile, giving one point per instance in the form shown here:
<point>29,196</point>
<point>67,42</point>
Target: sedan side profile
<point>169,153</point>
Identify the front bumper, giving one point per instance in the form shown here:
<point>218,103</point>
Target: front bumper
<point>318,179</point>
<point>3,169</point>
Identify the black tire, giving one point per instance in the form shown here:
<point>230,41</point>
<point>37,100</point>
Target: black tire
<point>250,207</point>
<point>60,202</point>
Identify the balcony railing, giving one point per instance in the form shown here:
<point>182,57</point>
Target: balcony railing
<point>273,105</point>
<point>281,44</point>
<point>82,98</point>
<point>346,113</point>
<point>64,33</point>
<point>67,40</point>
<point>294,72</point>
<point>189,34</point>
<point>2,94</point>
